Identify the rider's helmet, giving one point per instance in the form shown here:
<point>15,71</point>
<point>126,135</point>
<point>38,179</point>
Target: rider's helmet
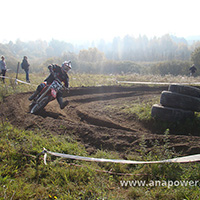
<point>66,66</point>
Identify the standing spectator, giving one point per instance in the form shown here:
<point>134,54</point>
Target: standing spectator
<point>192,70</point>
<point>25,66</point>
<point>3,68</point>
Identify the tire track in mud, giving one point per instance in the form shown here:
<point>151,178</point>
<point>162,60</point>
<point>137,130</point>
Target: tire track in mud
<point>86,119</point>
<point>100,122</point>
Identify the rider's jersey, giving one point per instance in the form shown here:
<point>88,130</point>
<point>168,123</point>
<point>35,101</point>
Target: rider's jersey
<point>61,75</point>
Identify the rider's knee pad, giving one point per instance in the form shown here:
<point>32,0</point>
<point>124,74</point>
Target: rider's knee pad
<point>41,86</point>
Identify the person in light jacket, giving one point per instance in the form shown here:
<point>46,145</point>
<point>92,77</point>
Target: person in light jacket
<point>3,68</point>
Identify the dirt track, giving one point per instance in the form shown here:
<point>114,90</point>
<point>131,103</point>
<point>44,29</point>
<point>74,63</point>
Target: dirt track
<point>94,120</point>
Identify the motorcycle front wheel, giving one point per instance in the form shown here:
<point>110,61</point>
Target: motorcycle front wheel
<point>40,105</point>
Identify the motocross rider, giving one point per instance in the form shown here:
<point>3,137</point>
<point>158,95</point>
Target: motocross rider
<point>61,74</point>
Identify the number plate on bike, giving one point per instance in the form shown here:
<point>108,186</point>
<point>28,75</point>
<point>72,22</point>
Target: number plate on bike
<point>53,93</point>
<point>56,86</point>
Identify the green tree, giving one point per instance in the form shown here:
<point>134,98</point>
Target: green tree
<point>91,55</point>
<point>195,57</point>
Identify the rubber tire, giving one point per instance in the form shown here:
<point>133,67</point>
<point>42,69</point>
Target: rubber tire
<point>162,113</point>
<point>186,90</point>
<point>39,106</point>
<point>176,100</point>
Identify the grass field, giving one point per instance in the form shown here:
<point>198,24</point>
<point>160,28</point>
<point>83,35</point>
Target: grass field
<point>80,80</point>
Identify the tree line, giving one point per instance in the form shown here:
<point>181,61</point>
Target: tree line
<point>164,55</point>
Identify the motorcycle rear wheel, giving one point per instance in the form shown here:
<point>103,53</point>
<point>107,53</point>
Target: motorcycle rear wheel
<point>40,105</point>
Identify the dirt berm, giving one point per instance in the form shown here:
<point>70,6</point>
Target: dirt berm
<point>93,118</point>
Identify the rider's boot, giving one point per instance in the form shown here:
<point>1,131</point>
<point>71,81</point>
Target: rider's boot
<point>61,103</point>
<point>33,95</point>
<point>64,104</point>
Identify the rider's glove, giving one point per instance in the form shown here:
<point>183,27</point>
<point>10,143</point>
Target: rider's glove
<point>50,67</point>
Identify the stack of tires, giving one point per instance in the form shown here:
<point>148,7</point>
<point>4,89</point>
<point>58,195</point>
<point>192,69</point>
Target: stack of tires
<point>177,104</point>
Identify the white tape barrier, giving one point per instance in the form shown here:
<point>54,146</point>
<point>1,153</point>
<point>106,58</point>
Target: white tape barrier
<point>16,80</point>
<point>185,159</point>
<point>157,83</point>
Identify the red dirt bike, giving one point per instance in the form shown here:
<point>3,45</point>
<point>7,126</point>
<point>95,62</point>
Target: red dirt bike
<point>48,93</point>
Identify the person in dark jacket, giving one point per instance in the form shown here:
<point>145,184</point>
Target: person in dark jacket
<point>25,66</point>
<point>192,69</point>
<point>61,74</point>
